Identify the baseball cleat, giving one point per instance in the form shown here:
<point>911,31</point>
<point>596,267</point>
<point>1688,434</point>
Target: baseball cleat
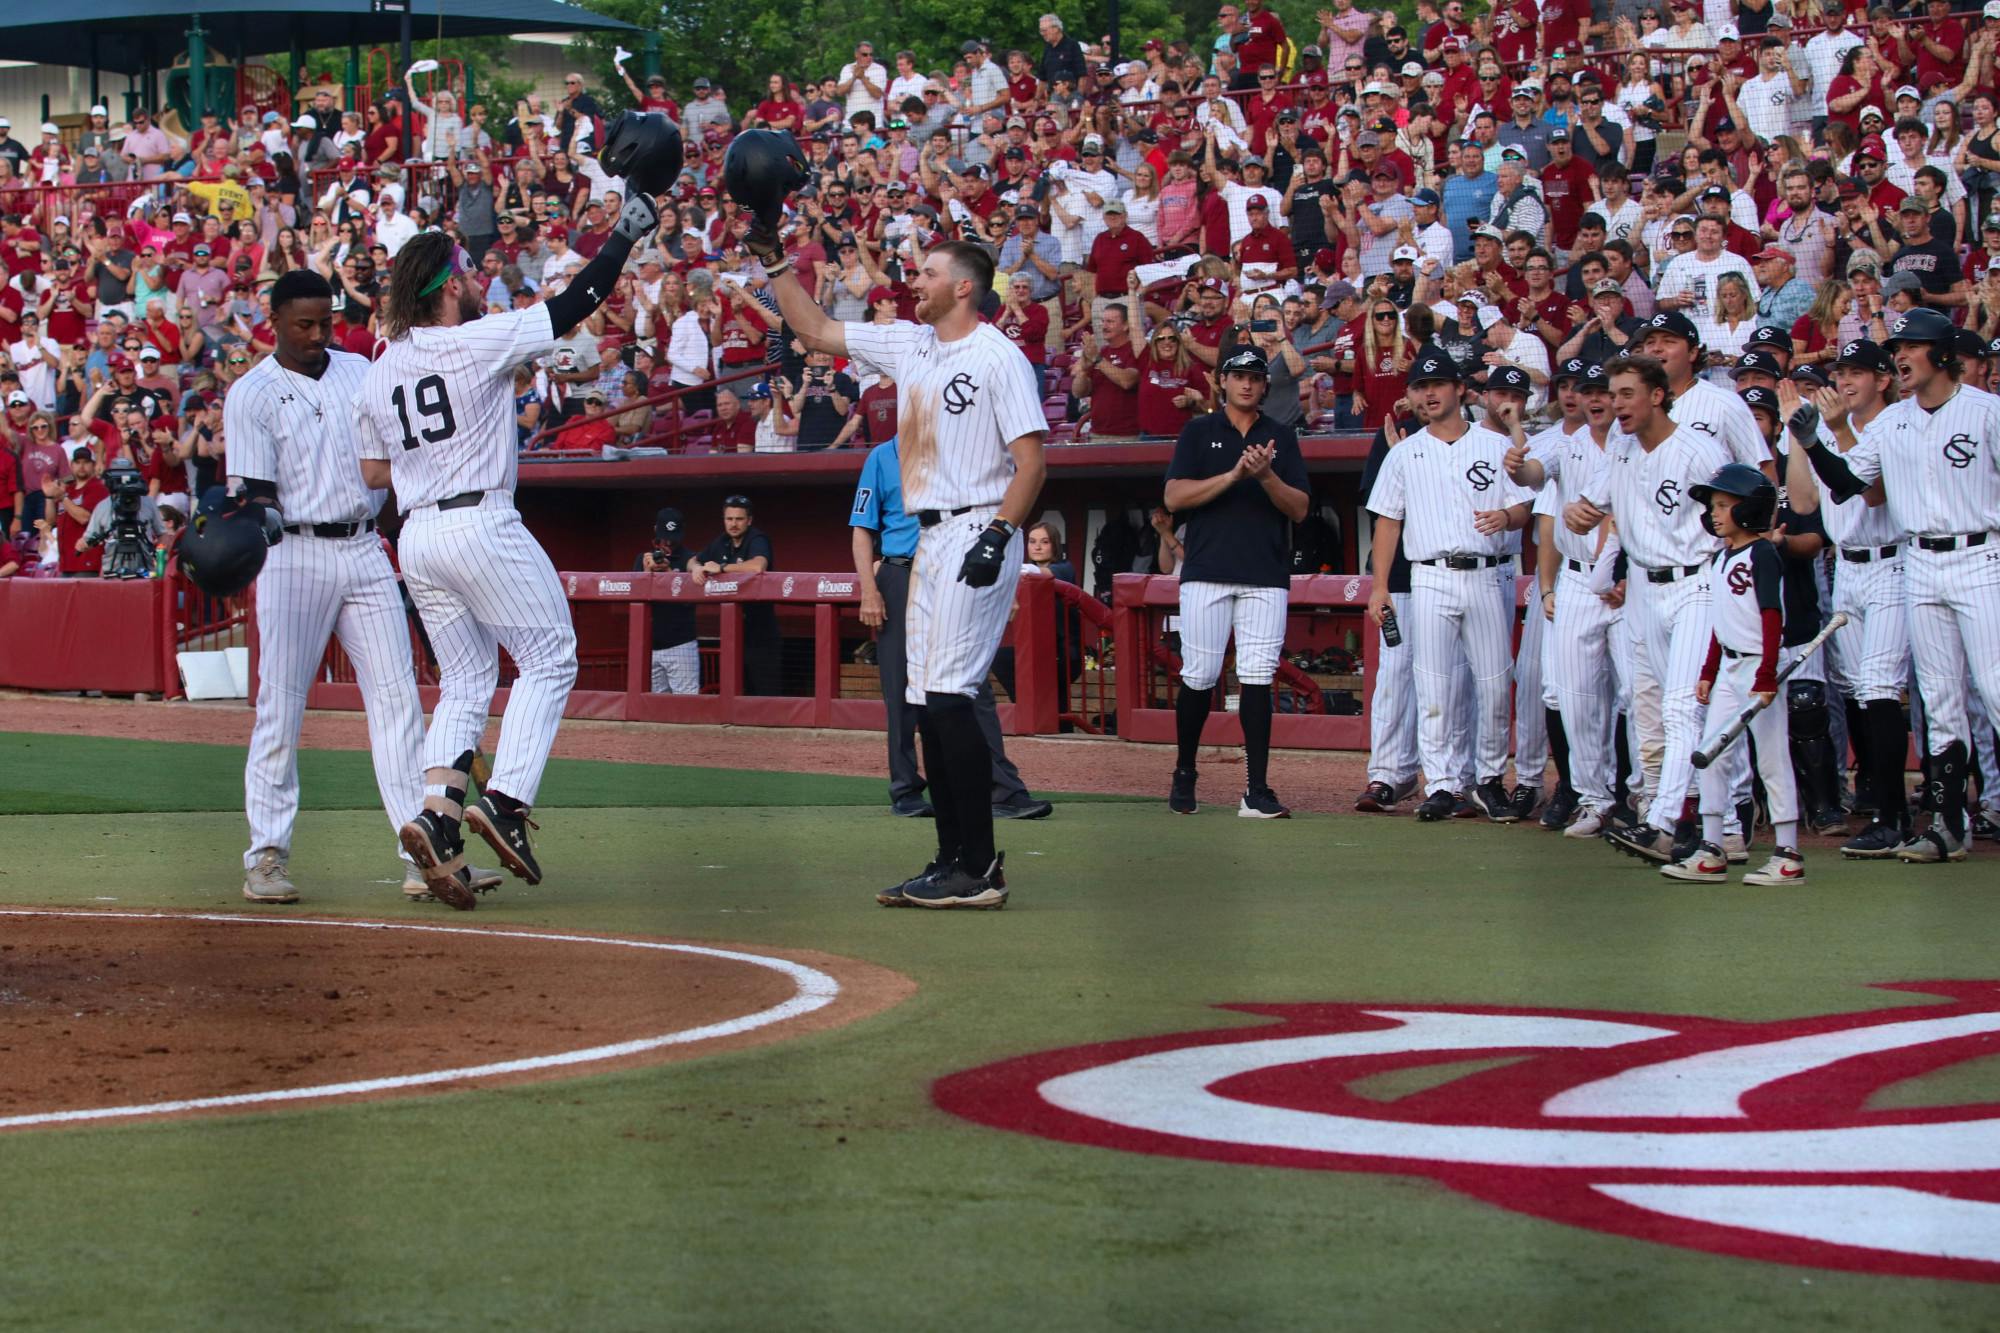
<point>267,881</point>
<point>1828,822</point>
<point>508,837</point>
<point>1786,866</point>
<point>418,890</point>
<point>1437,806</point>
<point>1262,803</point>
<point>1378,798</point>
<point>1492,799</point>
<point>1624,814</point>
<point>959,887</point>
<point>1524,800</point>
<point>1704,865</point>
<point>1560,810</point>
<point>1736,849</point>
<point>896,894</point>
<point>1931,846</point>
<point>1022,807</point>
<point>1463,808</point>
<point>1589,823</point>
<point>439,857</point>
<point>1644,841</point>
<point>1877,842</point>
<point>1181,799</point>
<point>1985,829</point>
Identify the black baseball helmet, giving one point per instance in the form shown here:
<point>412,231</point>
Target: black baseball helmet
<point>1970,346</point>
<point>644,147</point>
<point>762,170</point>
<point>1757,499</point>
<point>222,552</point>
<point>1245,360</point>
<point>1925,325</point>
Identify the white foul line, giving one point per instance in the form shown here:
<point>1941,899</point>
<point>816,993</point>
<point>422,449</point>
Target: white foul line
<point>816,990</point>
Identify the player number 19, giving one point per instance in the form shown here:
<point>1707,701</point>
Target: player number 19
<point>433,403</point>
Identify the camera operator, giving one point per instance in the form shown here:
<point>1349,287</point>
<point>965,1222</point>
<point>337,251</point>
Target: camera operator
<point>822,402</point>
<point>676,652</point>
<point>125,527</point>
<point>72,506</point>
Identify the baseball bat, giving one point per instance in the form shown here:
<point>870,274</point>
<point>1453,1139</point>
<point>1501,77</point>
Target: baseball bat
<point>1703,758</point>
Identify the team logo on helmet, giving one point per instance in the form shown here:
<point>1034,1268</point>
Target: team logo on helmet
<point>1902,323</point>
<point>1756,1140</point>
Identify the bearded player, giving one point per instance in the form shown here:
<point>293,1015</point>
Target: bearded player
<point>437,419</point>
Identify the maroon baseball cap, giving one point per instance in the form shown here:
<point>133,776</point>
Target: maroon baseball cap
<point>879,294</point>
<point>1872,146</point>
<point>118,361</point>
<point>1324,257</point>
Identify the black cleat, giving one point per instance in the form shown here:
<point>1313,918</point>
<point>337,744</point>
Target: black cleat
<point>441,858</point>
<point>1492,799</point>
<point>1877,842</point>
<point>1022,807</point>
<point>912,807</point>
<point>1647,843</point>
<point>1524,800</point>
<point>1560,810</point>
<point>508,836</point>
<point>958,887</point>
<point>1828,821</point>
<point>1984,829</point>
<point>895,894</point>
<point>1181,799</point>
<point>1437,806</point>
<point>1379,798</point>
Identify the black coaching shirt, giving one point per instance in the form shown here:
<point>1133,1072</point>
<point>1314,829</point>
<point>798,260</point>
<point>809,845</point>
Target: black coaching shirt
<point>1238,537</point>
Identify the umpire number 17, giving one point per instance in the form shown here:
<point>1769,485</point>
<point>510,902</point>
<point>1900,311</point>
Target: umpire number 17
<point>433,404</point>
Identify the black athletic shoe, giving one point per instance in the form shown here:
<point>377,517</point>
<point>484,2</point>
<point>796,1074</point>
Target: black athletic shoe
<point>912,807</point>
<point>1877,842</point>
<point>1262,803</point>
<point>1181,799</point>
<point>1492,799</point>
<point>440,857</point>
<point>959,887</point>
<point>1022,807</point>
<point>1985,829</point>
<point>1828,821</point>
<point>1560,810</point>
<point>1463,808</point>
<point>1645,842</point>
<point>894,895</point>
<point>1622,815</point>
<point>1379,798</point>
<point>508,836</point>
<point>1438,805</point>
<point>1524,800</point>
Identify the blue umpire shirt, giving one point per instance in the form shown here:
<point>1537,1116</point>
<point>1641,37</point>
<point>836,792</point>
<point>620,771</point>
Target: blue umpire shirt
<point>878,501</point>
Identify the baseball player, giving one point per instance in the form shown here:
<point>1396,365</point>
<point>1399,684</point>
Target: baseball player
<point>1392,698</point>
<point>1747,612</point>
<point>1239,478</point>
<point>437,418</point>
<point>969,430</point>
<point>292,462</point>
<point>1709,409</point>
<point>1869,657</point>
<point>1643,483</point>
<point>1936,453</point>
<point>1530,729</point>
<point>1445,493</point>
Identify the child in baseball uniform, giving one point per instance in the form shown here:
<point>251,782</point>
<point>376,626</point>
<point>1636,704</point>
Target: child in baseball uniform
<point>1747,615</point>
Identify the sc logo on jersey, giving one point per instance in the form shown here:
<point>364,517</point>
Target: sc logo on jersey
<point>1740,577</point>
<point>1668,497</point>
<point>1481,475</point>
<point>1959,451</point>
<point>958,394</point>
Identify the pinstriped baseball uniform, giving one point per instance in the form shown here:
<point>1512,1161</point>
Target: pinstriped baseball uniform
<point>1868,658</point>
<point>1434,487</point>
<point>1581,662</point>
<point>1645,492</point>
<point>296,431</point>
<point>959,405</point>
<point>1719,414</point>
<point>439,406</point>
<point>1941,472</point>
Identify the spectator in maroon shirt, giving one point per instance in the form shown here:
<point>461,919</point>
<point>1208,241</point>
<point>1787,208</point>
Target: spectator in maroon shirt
<point>73,505</point>
<point>1264,244</point>
<point>1108,374</point>
<point>1566,184</point>
<point>1117,250</point>
<point>1260,36</point>
<point>877,411</point>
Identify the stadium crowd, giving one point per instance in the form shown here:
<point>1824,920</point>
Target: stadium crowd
<point>1517,187</point>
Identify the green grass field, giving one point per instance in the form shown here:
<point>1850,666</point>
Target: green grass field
<point>813,1184</point>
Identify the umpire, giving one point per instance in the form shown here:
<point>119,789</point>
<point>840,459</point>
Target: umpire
<point>878,515</point>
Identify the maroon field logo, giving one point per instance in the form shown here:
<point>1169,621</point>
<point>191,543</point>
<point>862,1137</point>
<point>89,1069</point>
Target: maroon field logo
<point>1783,1141</point>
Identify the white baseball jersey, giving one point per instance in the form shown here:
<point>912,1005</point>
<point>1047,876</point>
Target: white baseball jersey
<point>1941,469</point>
<point>1716,412</point>
<point>1571,460</point>
<point>1435,487</point>
<point>959,405</point>
<point>1855,522</point>
<point>439,405</point>
<point>1743,583</point>
<point>1646,491</point>
<point>289,428</point>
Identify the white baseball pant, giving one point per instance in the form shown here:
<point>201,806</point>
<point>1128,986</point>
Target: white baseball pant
<point>312,588</point>
<point>1668,651</point>
<point>1586,684</point>
<point>1211,612</point>
<point>952,629</point>
<point>1531,724</point>
<point>482,583</point>
<point>676,670</point>
<point>1868,658</point>
<point>1770,729</point>
<point>1454,616</point>
<point>1954,617</point>
<point>1392,704</point>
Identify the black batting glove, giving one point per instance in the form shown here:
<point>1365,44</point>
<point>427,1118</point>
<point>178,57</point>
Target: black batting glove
<point>981,568</point>
<point>763,241</point>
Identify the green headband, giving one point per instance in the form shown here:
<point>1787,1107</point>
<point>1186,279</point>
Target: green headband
<point>454,263</point>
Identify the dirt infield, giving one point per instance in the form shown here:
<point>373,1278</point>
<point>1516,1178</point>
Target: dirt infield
<point>116,1015</point>
<point>1318,780</point>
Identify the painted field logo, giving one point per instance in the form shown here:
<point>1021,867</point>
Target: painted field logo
<point>1777,1141</point>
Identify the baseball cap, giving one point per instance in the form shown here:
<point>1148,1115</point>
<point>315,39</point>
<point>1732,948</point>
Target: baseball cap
<point>1527,88</point>
<point>1325,257</point>
<point>1967,343</point>
<point>1450,44</point>
<point>1512,154</point>
<point>1912,204</point>
<point>1212,285</point>
<point>1718,192</point>
<point>1405,254</point>
<point>50,127</point>
<point>1433,364</point>
<point>1118,205</point>
<point>1571,369</point>
<point>1863,261</point>
<point>1773,252</point>
<point>1489,315</point>
<point>18,399</point>
<point>1593,374</point>
<point>119,361</point>
<point>1092,144</point>
<point>1874,111</point>
<point>1490,232</point>
<point>1727,33</point>
<point>1427,198</point>
<point>1674,322</point>
<point>970,45</point>
<point>1608,287</point>
<point>202,250</point>
<point>1810,375</point>
<point>703,83</point>
<point>1510,379</point>
<point>1872,146</point>
<point>667,524</point>
<point>1412,70</point>
<point>878,294</point>
<point>1770,335</point>
<point>1901,282</point>
<point>100,110</point>
<point>1336,292</point>
<point>149,354</point>
<point>1756,360</point>
<point>1760,397</point>
<point>1908,90</point>
<point>1849,190</point>
<point>183,217</point>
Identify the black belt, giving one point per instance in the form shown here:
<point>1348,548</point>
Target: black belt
<point>1576,566</point>
<point>1731,652</point>
<point>930,518</point>
<point>1671,573</point>
<point>332,529</point>
<point>465,501</point>
<point>900,561</point>
<point>1861,555</point>
<point>1955,543</point>
<point>1465,561</point>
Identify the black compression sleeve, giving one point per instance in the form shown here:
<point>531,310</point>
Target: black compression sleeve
<point>590,287</point>
<point>258,491</point>
<point>1835,474</point>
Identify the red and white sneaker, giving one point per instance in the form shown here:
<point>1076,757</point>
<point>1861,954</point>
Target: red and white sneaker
<point>1786,866</point>
<point>1706,864</point>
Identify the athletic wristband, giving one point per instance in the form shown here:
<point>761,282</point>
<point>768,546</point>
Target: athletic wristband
<point>1005,528</point>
